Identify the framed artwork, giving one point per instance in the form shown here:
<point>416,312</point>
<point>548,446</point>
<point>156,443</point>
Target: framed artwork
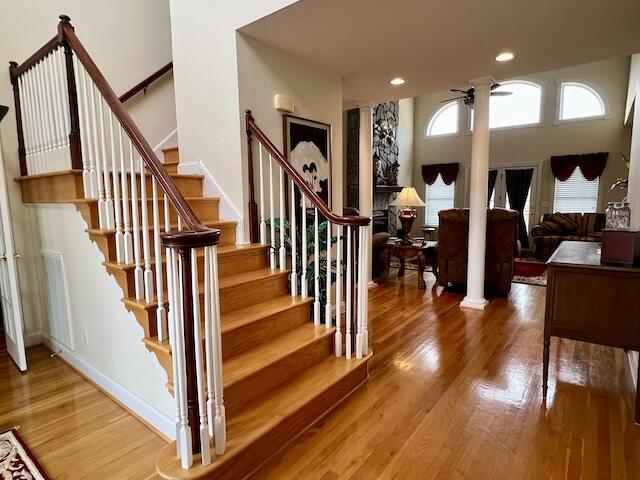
<point>307,147</point>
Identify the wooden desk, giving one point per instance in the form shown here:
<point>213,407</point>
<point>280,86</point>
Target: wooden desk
<point>591,302</point>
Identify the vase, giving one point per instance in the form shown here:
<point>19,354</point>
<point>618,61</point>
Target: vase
<point>618,216</point>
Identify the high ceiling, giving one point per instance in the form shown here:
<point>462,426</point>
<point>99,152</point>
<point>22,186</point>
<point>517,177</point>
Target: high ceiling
<point>436,45</point>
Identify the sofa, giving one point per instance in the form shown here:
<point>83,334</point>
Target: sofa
<point>502,248</point>
<point>554,229</point>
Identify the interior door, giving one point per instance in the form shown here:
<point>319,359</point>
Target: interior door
<point>9,283</point>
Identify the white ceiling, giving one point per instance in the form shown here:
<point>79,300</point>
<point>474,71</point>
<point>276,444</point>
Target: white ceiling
<point>441,44</point>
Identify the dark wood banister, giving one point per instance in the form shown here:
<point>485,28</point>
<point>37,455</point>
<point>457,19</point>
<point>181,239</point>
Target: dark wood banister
<point>142,146</point>
<point>144,84</point>
<point>354,221</point>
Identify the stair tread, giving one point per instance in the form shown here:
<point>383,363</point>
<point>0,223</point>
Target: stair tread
<point>223,251</point>
<point>264,414</point>
<point>254,360</point>
<point>189,199</point>
<point>79,172</point>
<point>173,226</point>
<point>244,316</point>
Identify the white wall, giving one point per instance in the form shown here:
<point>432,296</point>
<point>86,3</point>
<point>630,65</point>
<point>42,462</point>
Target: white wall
<point>206,85</point>
<point>263,72</point>
<point>534,145</point>
<point>128,41</point>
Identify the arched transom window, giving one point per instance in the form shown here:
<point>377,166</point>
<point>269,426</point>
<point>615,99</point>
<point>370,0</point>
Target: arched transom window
<point>521,108</point>
<point>444,121</point>
<point>579,101</point>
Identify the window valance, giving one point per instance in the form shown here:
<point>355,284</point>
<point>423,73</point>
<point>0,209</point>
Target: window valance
<point>448,171</point>
<point>591,165</point>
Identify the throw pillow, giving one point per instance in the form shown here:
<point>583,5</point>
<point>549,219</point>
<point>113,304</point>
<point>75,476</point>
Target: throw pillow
<point>566,223</point>
<point>549,227</point>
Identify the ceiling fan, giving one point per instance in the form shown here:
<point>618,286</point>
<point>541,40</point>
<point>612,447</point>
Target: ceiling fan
<point>468,96</point>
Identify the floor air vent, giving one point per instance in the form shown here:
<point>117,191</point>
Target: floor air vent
<point>57,295</point>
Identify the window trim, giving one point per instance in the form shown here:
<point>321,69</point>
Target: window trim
<point>433,116</point>
<point>538,124</point>
<point>560,82</point>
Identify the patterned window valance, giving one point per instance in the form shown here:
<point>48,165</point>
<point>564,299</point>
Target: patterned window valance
<point>448,171</point>
<point>591,165</point>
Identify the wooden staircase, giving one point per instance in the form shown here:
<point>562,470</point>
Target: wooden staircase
<point>280,371</point>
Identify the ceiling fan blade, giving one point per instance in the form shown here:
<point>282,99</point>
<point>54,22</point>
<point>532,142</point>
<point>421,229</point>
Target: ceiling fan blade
<point>501,94</point>
<point>451,99</point>
<point>494,86</point>
<point>461,91</point>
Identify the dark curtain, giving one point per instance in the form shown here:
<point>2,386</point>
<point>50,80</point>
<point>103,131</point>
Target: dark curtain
<point>493,175</point>
<point>449,172</point>
<point>591,164</point>
<point>518,183</point>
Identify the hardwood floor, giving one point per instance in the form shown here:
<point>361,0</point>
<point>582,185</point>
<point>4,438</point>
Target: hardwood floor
<point>73,429</point>
<point>452,394</point>
<point>457,394</point>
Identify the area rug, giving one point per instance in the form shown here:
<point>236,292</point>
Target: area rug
<point>530,272</point>
<point>16,461</point>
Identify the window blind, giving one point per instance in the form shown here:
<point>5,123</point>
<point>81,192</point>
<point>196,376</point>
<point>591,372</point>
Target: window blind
<point>576,194</point>
<point>438,196</point>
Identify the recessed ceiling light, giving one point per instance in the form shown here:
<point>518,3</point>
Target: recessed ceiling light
<point>397,81</point>
<point>505,57</point>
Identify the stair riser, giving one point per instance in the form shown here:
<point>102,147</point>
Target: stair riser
<point>249,336</point>
<point>227,265</point>
<point>277,439</point>
<point>169,167</point>
<point>261,382</point>
<point>107,241</point>
<point>188,186</point>
<point>171,155</point>
<point>206,210</point>
<point>262,290</point>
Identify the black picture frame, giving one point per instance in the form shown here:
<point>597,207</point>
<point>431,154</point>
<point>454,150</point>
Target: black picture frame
<point>307,147</point>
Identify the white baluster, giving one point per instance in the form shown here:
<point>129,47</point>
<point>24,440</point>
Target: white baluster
<point>48,117</point>
<point>86,174</point>
<point>305,285</point>
<point>102,215</point>
<point>61,92</point>
<point>42,120</point>
<point>316,269</point>
<point>219,415</point>
<point>272,217</point>
<point>37,124</point>
<point>88,139</point>
<point>283,250</point>
<point>263,224</point>
<point>349,284</point>
<point>171,293</point>
<point>327,308</point>
<point>58,85</point>
<point>161,312</point>
<point>127,239</point>
<point>205,448</point>
<point>185,429</point>
<point>146,245</point>
<point>58,159</point>
<point>108,199</point>
<point>364,232</point>
<point>294,247</point>
<point>137,251</point>
<point>116,195</point>
<point>62,69</point>
<point>362,285</point>
<point>26,120</point>
<point>338,335</point>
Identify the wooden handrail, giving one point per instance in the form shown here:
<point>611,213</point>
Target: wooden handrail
<point>36,57</point>
<point>144,84</point>
<point>354,221</point>
<point>149,157</point>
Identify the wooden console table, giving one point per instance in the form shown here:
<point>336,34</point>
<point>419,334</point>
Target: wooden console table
<point>424,253</point>
<point>591,302</point>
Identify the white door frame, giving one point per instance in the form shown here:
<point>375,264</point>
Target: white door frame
<point>14,329</point>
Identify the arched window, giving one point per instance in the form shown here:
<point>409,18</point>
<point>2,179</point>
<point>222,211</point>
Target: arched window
<point>444,121</point>
<point>579,101</point>
<point>521,108</point>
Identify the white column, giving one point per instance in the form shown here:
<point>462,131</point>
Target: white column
<point>478,196</point>
<point>633,191</point>
<point>365,172</point>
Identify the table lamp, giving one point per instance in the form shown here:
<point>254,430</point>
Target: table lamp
<point>408,198</point>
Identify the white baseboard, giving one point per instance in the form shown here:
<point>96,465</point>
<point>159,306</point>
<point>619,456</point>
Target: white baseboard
<point>633,366</point>
<point>211,188</point>
<point>170,140</point>
<point>150,414</point>
<point>32,339</point>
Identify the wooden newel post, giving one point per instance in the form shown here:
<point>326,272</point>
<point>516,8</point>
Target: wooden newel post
<point>74,117</point>
<point>193,413</point>
<point>22,154</point>
<point>253,207</point>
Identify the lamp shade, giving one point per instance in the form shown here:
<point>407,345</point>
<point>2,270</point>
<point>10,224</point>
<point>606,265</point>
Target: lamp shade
<point>408,198</point>
<point>3,111</point>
